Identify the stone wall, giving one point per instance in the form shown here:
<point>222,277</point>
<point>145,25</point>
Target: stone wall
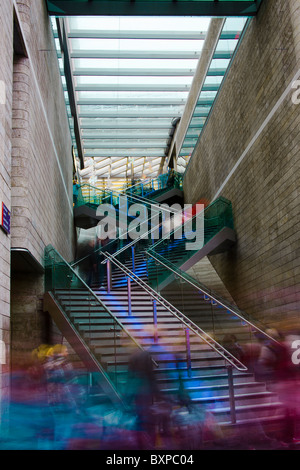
<point>42,211</point>
<point>6,34</point>
<point>38,169</point>
<point>249,153</point>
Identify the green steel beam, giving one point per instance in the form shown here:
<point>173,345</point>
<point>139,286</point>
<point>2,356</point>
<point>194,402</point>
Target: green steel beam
<point>129,145</point>
<point>83,54</point>
<point>140,102</point>
<point>64,45</point>
<point>126,153</point>
<point>89,72</point>
<point>139,114</point>
<point>125,125</point>
<point>153,7</point>
<point>138,87</point>
<point>129,136</point>
<point>118,34</point>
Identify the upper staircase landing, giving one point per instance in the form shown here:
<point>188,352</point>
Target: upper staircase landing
<point>166,188</point>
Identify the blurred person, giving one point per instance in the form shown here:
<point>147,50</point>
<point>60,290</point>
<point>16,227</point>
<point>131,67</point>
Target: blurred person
<point>76,187</point>
<point>231,344</point>
<point>65,397</point>
<point>171,178</point>
<point>141,392</point>
<point>275,367</point>
<point>28,422</point>
<point>273,358</point>
<point>93,263</point>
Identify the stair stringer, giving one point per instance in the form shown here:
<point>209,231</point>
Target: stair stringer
<point>221,242</point>
<point>51,306</point>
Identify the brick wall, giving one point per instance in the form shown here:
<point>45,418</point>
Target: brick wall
<point>41,146</point>
<point>6,28</point>
<point>41,171</point>
<point>259,176</point>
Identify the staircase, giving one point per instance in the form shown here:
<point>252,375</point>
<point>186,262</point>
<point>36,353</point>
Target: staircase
<point>205,378</point>
<point>162,309</point>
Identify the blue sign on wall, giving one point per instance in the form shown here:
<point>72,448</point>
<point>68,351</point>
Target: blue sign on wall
<point>5,221</point>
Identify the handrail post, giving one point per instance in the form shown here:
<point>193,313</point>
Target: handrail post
<point>231,395</point>
<point>155,336</point>
<point>129,295</point>
<point>133,258</point>
<point>108,271</point>
<point>188,351</point>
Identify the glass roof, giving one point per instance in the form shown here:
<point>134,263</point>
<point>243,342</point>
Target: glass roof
<point>131,79</point>
<point>225,48</point>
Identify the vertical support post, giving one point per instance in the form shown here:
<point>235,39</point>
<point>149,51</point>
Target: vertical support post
<point>90,382</point>
<point>129,295</point>
<point>108,270</point>
<point>115,351</point>
<point>133,258</point>
<point>231,395</point>
<point>155,320</point>
<point>188,351</point>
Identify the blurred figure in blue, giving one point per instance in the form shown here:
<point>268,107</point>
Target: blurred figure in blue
<point>27,423</point>
<point>141,391</point>
<point>64,395</point>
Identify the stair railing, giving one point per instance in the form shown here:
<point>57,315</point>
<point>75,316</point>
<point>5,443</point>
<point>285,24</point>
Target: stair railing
<point>231,362</point>
<point>52,287</point>
<point>160,182</point>
<point>227,356</point>
<point>112,243</point>
<point>208,294</point>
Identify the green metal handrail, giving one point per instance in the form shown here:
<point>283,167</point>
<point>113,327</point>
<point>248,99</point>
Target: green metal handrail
<point>60,275</point>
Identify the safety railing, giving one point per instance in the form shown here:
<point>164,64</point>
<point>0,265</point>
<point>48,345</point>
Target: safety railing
<point>208,339</point>
<point>105,337</point>
<point>148,187</point>
<point>226,322</point>
<point>231,362</point>
<point>86,194</point>
<point>177,248</point>
<point>169,245</point>
<point>125,242</point>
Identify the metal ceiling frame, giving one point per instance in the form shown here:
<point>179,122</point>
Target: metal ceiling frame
<point>68,73</point>
<point>209,8</point>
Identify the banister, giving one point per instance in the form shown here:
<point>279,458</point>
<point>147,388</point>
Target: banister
<point>217,347</point>
<point>208,294</point>
<point>91,292</point>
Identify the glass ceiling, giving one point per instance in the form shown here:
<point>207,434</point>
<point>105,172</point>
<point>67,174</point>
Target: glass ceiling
<point>131,78</point>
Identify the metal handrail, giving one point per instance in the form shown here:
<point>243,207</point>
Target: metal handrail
<point>74,263</point>
<point>212,297</point>
<point>137,184</point>
<point>99,300</point>
<point>145,182</point>
<point>227,356</point>
<point>146,235</point>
